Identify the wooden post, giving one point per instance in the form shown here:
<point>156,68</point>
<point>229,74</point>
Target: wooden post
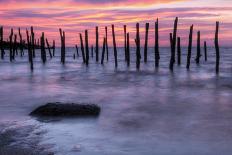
<point>128,49</point>
<point>157,55</point>
<point>49,49</point>
<point>92,51</point>
<point>21,43</point>
<point>97,45</point>
<point>43,51</point>
<point>146,42</point>
<point>124,27</point>
<point>205,48</point>
<point>1,43</point>
<point>198,47</point>
<point>189,47</point>
<point>115,47</point>
<point>11,45</point>
<point>86,47</point>
<point>62,38</point>
<point>217,48</point>
<point>14,47</point>
<point>82,48</point>
<point>174,39</point>
<point>103,51</point>
<point>54,47</point>
<point>178,51</point>
<point>32,43</point>
<point>138,54</point>
<point>77,50</point>
<point>107,48</point>
<point>172,54</point>
<point>30,56</point>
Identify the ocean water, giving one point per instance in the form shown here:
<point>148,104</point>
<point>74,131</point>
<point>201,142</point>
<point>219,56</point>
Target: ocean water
<point>151,111</point>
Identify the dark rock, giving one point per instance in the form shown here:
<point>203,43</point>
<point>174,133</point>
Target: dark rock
<point>69,109</point>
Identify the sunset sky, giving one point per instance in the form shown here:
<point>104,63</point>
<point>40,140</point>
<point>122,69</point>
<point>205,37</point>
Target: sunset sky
<point>74,16</point>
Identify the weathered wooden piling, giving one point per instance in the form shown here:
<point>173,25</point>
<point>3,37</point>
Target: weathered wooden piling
<point>11,45</point>
<point>137,40</point>
<point>107,48</point>
<point>189,47</point>
<point>43,50</point>
<point>62,38</point>
<point>146,42</point>
<point>124,28</point>
<point>15,51</point>
<point>77,50</point>
<point>217,48</point>
<point>49,48</point>
<point>1,43</point>
<point>115,47</point>
<point>128,49</point>
<point>205,49</point>
<point>171,63</point>
<point>82,48</point>
<point>103,51</point>
<point>21,43</point>
<point>53,47</point>
<point>157,55</point>
<point>173,45</point>
<point>30,55</point>
<point>87,47</point>
<point>97,45</point>
<point>198,47</point>
<point>178,51</point>
<point>32,42</point>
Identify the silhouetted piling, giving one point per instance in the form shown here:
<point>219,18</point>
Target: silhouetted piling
<point>198,47</point>
<point>115,47</point>
<point>15,47</point>
<point>49,48</point>
<point>43,51</point>
<point>53,47</point>
<point>62,38</point>
<point>87,47</point>
<point>21,43</point>
<point>103,51</point>
<point>137,40</point>
<point>97,44</point>
<point>77,50</point>
<point>124,27</point>
<point>171,63</point>
<point>1,43</point>
<point>30,56</point>
<point>205,49</point>
<point>11,45</point>
<point>217,48</point>
<point>146,42</point>
<point>178,51</point>
<point>173,45</point>
<point>128,49</point>
<point>107,48</point>
<point>32,42</point>
<point>92,51</point>
<point>82,48</point>
<point>157,55</point>
<point>189,47</point>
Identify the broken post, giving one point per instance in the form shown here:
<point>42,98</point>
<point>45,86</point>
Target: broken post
<point>138,55</point>
<point>54,47</point>
<point>124,27</point>
<point>11,45</point>
<point>30,56</point>
<point>172,54</point>
<point>62,38</point>
<point>205,48</point>
<point>178,51</point>
<point>198,47</point>
<point>43,51</point>
<point>173,45</point>
<point>157,55</point>
<point>115,47</point>
<point>77,50</point>
<point>107,48</point>
<point>128,50</point>
<point>21,43</point>
<point>1,43</point>
<point>103,51</point>
<point>82,48</point>
<point>86,47</point>
<point>146,42</point>
<point>32,42</point>
<point>217,48</point>
<point>97,44</point>
<point>49,49</point>
<point>189,48</point>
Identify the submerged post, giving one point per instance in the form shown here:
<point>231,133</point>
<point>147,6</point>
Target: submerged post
<point>92,51</point>
<point>103,51</point>
<point>49,49</point>
<point>189,47</point>
<point>77,50</point>
<point>15,47</point>
<point>32,42</point>
<point>43,51</point>
<point>1,43</point>
<point>138,54</point>
<point>205,48</point>
<point>157,55</point>
<point>124,27</point>
<point>146,42</point>
<point>30,56</point>
<point>62,38</point>
<point>173,45</point>
<point>11,45</point>
<point>82,48</point>
<point>21,43</point>
<point>128,50</point>
<point>178,51</point>
<point>107,48</point>
<point>198,47</point>
<point>172,54</point>
<point>115,48</point>
<point>217,48</point>
<point>97,44</point>
<point>54,47</point>
<point>87,47</point>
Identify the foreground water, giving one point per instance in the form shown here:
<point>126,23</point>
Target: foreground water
<point>151,111</point>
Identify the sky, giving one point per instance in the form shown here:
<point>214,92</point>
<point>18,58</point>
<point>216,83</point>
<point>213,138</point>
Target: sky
<point>76,16</point>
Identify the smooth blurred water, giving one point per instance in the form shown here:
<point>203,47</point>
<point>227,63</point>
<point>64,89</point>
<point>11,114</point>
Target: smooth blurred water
<point>151,111</point>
